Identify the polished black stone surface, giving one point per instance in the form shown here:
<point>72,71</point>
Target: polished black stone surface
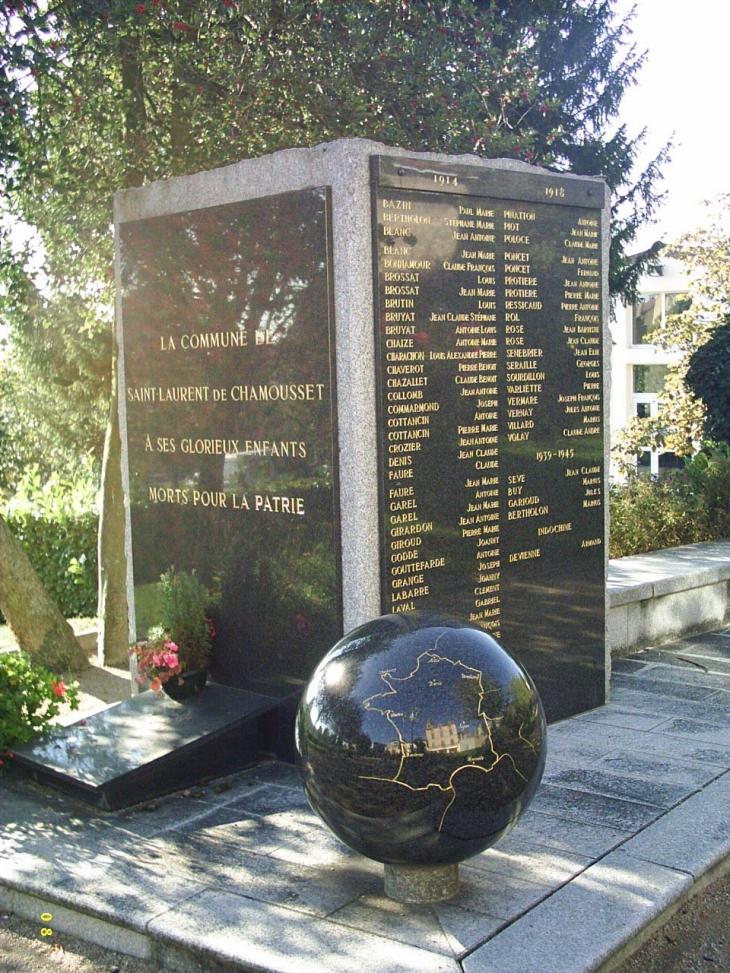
<point>149,745</point>
<point>228,371</point>
<point>489,356</point>
<point>421,741</point>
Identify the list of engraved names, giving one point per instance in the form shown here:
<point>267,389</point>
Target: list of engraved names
<point>489,345</point>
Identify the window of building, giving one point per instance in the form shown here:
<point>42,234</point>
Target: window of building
<point>650,313</point>
<point>649,379</point>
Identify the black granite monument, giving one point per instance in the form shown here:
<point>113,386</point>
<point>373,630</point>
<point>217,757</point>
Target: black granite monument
<point>489,361</point>
<point>230,399</point>
<point>449,457</point>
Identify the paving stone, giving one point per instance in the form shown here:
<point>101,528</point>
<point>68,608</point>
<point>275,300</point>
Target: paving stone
<point>271,799</point>
<point>307,841</point>
<point>234,929</point>
<point>161,815</point>
<point>464,930</point>
<point>583,923</point>
<point>694,837</point>
<point>566,750</point>
<point>68,919</point>
<point>629,665</point>
<point>643,766</point>
<point>313,888</point>
<point>714,708</point>
<point>573,835</point>
<point>654,742</point>
<point>713,733</point>
<point>23,803</point>
<point>251,834</point>
<point>531,862</point>
<point>660,687</point>
<point>656,793</point>
<point>687,675</point>
<point>242,871</point>
<point>417,925</point>
<point>108,885</point>
<point>614,715</point>
<point>594,808</point>
<point>502,896</point>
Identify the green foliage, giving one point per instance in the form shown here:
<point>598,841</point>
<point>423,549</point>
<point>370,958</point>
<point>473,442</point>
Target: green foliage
<point>708,377</point>
<point>184,604</point>
<point>57,524</point>
<point>113,93</point>
<point>29,699</point>
<point>98,95</point>
<point>680,423</point>
<point>691,505</point>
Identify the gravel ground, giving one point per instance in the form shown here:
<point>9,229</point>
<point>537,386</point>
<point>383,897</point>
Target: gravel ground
<point>695,940</point>
<point>24,950</point>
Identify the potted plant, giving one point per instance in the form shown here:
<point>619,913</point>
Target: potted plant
<point>177,653</point>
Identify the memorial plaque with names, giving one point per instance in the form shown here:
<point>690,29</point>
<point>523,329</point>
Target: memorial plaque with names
<point>229,393</point>
<point>489,344</point>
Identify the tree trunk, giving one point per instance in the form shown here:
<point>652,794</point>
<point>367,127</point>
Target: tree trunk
<point>113,640</point>
<point>31,613</point>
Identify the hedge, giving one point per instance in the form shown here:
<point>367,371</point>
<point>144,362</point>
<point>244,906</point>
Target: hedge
<point>63,552</point>
<point>683,507</point>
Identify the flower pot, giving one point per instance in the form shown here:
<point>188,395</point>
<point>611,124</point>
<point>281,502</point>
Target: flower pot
<point>192,683</point>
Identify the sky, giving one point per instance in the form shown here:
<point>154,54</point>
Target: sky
<point>682,94</point>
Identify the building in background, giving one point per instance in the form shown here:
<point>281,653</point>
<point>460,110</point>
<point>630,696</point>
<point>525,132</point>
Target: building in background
<point>638,366</point>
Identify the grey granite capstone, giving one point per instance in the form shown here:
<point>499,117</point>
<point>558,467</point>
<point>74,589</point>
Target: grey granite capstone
<point>663,595</point>
<point>241,875</point>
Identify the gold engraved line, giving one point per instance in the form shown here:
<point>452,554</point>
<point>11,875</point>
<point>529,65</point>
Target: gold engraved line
<point>387,675</point>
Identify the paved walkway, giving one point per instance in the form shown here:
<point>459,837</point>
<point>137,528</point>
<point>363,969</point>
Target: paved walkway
<point>633,811</point>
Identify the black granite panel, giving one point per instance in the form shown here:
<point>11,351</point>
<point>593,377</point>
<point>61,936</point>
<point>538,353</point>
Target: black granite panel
<point>148,745</point>
<point>229,374</point>
<point>489,356</point>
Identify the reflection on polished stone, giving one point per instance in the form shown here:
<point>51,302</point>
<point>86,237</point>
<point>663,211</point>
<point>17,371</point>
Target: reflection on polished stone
<point>420,739</point>
<point>148,745</point>
<point>229,396</point>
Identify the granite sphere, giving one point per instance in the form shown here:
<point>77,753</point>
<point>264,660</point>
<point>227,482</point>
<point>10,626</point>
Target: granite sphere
<point>420,739</point>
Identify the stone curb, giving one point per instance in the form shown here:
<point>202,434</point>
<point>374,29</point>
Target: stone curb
<point>606,913</point>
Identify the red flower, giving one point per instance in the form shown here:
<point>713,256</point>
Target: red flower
<point>59,688</point>
<point>141,8</point>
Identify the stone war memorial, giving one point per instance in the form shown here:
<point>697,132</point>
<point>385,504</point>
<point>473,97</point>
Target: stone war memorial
<point>355,381</point>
